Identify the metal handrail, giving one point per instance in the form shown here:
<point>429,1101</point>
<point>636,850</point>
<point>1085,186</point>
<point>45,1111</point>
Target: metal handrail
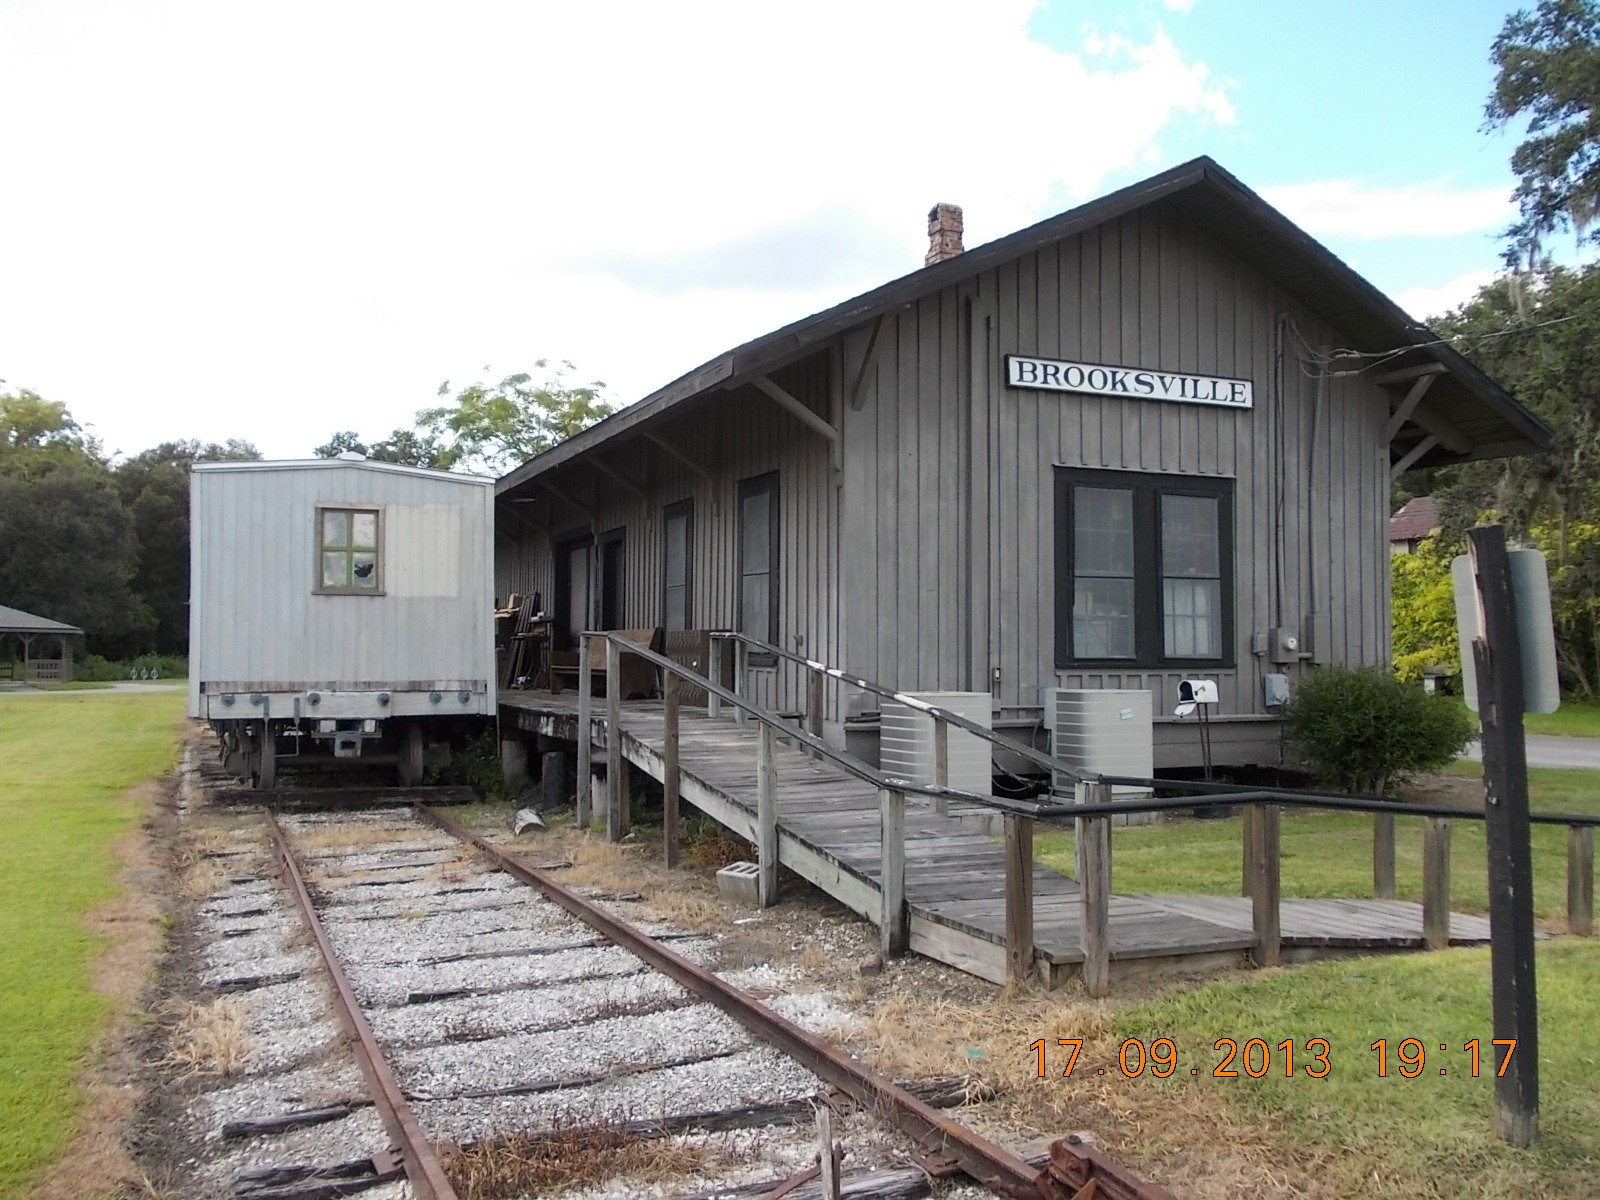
<point>1030,753</point>
<point>842,758</point>
<point>1222,795</point>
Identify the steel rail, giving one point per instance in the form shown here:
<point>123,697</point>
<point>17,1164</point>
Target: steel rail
<point>417,1157</point>
<point>989,1164</point>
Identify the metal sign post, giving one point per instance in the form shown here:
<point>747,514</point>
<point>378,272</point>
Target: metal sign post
<point>1496,655</point>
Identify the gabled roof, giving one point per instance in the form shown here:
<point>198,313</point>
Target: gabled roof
<point>14,620</point>
<point>325,464</point>
<point>1484,421</point>
<point>1417,519</point>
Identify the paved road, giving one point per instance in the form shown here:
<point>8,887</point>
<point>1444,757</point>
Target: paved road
<point>1546,751</point>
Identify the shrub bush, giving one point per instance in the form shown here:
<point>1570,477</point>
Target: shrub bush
<point>1361,730</point>
<point>94,669</point>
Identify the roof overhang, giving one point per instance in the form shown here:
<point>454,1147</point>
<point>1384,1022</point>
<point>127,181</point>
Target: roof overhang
<point>1462,415</point>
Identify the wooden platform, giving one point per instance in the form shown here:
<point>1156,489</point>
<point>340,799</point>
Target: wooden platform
<point>829,835</point>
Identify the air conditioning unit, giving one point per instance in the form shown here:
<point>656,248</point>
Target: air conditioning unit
<point>1109,732</point>
<point>905,740</point>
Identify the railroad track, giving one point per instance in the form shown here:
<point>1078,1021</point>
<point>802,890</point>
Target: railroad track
<point>511,1033</point>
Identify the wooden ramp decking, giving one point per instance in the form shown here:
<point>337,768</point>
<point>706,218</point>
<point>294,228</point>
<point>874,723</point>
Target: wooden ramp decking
<point>828,834</point>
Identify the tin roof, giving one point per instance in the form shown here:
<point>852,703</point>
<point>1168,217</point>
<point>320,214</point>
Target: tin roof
<point>14,620</point>
<point>1487,420</point>
<point>319,464</point>
<point>1418,517</point>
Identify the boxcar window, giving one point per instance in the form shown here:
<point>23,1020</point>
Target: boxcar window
<point>348,553</point>
<point>1144,569</point>
<point>677,568</point>
<point>758,559</point>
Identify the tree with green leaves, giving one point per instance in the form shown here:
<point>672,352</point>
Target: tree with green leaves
<point>67,548</point>
<point>1547,64</point>
<point>500,425</point>
<point>410,447</point>
<point>154,487</point>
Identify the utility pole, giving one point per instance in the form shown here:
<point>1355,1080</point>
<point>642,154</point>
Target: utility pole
<point>1497,659</point>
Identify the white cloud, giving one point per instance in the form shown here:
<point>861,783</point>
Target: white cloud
<point>1179,6</point>
<point>1351,208</point>
<point>271,222</point>
<point>1426,302</point>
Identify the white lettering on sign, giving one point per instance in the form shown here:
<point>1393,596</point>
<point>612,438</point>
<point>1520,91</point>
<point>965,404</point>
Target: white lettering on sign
<point>1132,383</point>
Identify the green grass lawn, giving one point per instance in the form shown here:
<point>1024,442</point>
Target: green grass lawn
<point>1575,718</point>
<point>1425,1136</point>
<point>1330,854</point>
<point>65,762</point>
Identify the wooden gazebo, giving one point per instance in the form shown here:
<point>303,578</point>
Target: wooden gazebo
<point>34,634</point>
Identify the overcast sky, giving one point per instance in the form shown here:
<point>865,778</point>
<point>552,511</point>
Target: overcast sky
<point>271,221</point>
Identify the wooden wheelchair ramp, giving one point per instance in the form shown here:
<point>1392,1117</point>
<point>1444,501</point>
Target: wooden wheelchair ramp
<point>829,834</point>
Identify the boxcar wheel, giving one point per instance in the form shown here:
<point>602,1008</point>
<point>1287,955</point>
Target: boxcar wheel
<point>411,754</point>
<point>265,775</point>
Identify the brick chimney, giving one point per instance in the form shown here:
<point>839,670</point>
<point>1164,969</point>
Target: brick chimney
<point>944,233</point>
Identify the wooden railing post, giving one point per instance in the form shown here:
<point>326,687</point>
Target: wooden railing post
<point>1094,891</point>
<point>1383,856</point>
<point>714,670</point>
<point>766,816</point>
<point>941,764</point>
<point>1247,835</point>
<point>894,922</point>
<point>741,668</point>
<point>814,704</point>
<point>582,784</point>
<point>616,782</point>
<point>1580,880</point>
<point>1436,883</point>
<point>1265,917</point>
<point>669,785</point>
<point>1019,896</point>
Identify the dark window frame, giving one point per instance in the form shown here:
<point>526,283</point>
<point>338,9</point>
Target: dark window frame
<point>1149,638</point>
<point>682,510</point>
<point>348,549</point>
<point>756,485</point>
<point>603,582</point>
<point>559,609</point>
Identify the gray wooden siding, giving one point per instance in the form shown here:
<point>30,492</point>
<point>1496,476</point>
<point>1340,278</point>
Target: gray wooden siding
<point>253,614</point>
<point>933,556</point>
<point>733,435</point>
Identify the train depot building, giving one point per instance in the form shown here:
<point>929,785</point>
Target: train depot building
<point>1148,440</point>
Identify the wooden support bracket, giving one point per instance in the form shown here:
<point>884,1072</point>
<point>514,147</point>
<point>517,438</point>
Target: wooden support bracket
<point>795,408</point>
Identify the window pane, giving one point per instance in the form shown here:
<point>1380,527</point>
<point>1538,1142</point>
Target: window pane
<point>754,533</point>
<point>335,570</point>
<point>364,530</point>
<point>364,569</point>
<point>1193,617</point>
<point>335,527</point>
<point>676,615</point>
<point>1102,531</point>
<point>677,565</point>
<point>754,605</point>
<point>1189,536</point>
<point>1102,618</point>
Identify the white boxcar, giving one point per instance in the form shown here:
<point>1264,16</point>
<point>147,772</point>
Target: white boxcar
<point>338,609</point>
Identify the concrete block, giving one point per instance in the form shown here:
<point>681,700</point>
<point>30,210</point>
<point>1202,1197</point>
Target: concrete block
<point>555,780</point>
<point>514,763</point>
<point>739,883</point>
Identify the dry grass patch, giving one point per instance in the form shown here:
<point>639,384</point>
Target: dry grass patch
<point>208,1038</point>
<point>578,1151</point>
<point>342,837</point>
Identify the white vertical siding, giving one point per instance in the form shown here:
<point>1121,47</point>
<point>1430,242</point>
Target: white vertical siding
<point>254,613</point>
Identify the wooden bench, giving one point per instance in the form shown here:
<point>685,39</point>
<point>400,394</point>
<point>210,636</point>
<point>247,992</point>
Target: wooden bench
<point>638,679</point>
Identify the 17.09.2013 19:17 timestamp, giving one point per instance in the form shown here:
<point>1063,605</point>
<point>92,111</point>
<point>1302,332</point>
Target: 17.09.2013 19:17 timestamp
<point>1256,1058</point>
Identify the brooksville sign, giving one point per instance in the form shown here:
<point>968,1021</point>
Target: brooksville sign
<point>1132,383</point>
